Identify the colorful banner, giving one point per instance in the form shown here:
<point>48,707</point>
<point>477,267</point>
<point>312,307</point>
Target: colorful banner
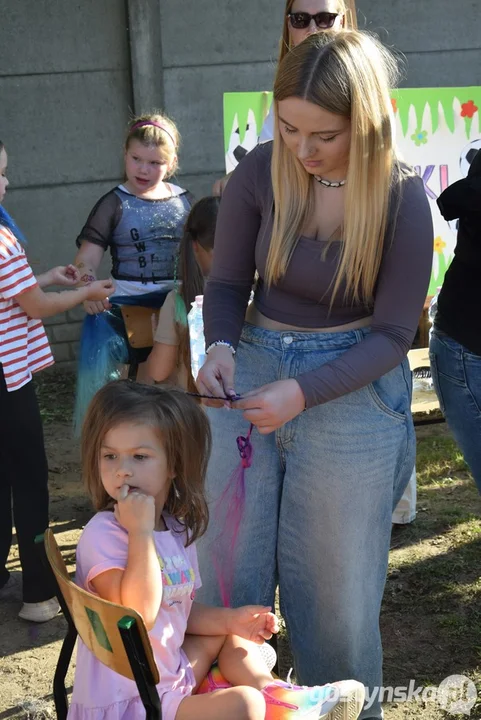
<point>438,130</point>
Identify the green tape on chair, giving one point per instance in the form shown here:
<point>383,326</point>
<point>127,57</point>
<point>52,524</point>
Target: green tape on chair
<point>98,629</point>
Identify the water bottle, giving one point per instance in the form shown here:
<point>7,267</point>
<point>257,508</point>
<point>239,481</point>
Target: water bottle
<point>433,306</point>
<point>196,334</point>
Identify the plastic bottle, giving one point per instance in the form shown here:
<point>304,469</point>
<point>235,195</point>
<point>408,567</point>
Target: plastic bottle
<point>196,334</point>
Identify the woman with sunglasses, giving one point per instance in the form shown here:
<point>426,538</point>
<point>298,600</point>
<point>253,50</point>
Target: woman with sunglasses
<point>340,233</point>
<point>301,19</point>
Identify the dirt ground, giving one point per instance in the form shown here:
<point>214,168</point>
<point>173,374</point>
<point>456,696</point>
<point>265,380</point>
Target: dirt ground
<point>431,619</point>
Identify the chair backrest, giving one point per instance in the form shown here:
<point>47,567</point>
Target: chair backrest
<point>96,620</point>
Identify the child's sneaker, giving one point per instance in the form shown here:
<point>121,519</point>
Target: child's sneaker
<point>337,701</point>
<point>268,654</point>
<point>214,680</point>
<point>40,612</point>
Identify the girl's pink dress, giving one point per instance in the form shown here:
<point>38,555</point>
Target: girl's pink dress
<point>101,694</point>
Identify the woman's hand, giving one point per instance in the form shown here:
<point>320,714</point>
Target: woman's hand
<point>135,511</point>
<point>271,406</point>
<point>216,376</point>
<point>253,622</point>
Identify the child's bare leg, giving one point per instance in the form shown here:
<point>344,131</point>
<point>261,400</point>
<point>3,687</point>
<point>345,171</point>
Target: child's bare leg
<point>240,663</point>
<point>239,660</point>
<point>235,703</point>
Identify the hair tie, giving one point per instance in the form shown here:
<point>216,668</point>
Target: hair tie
<point>145,123</point>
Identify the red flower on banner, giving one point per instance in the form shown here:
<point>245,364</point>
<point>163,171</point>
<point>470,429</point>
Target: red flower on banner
<point>468,109</point>
<point>394,104</point>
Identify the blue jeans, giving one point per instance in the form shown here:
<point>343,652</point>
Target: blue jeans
<point>457,380</point>
<point>319,500</point>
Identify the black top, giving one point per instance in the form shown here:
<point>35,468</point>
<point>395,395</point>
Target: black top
<point>459,303</point>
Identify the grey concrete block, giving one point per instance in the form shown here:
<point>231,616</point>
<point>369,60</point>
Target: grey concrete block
<point>66,333</point>
<point>200,120</point>
<point>51,219</point>
<point>205,32</point>
<point>78,129</point>
<point>200,185</point>
<point>454,69</point>
<point>59,319</point>
<point>146,54</point>
<point>58,36</point>
<point>75,349</point>
<point>432,25</point>
<point>61,352</point>
<point>77,314</point>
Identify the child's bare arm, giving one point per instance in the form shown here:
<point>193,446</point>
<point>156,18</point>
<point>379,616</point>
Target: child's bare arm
<point>39,304</point>
<point>162,361</point>
<point>252,622</point>
<point>87,262</point>
<point>139,586</point>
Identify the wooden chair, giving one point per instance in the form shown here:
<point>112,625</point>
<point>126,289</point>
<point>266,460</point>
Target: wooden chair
<point>138,324</point>
<point>116,635</point>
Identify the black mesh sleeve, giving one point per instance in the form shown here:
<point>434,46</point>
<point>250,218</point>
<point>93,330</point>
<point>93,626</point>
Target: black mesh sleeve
<point>102,221</point>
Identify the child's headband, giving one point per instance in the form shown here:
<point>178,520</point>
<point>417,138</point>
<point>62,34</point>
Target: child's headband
<point>144,123</point>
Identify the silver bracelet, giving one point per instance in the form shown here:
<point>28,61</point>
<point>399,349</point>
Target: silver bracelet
<point>221,343</point>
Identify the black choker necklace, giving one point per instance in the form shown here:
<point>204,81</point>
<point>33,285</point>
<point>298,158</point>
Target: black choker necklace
<point>328,183</point>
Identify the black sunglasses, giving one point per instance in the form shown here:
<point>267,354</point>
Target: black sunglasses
<point>302,20</point>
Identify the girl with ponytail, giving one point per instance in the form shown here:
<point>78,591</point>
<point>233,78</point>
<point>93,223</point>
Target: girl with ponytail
<point>170,356</point>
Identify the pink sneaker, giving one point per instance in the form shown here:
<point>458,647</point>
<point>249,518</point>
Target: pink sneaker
<point>337,701</point>
<point>214,680</point>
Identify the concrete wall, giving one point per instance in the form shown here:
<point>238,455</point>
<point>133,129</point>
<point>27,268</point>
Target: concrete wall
<point>65,97</point>
<point>234,47</point>
<point>68,80</point>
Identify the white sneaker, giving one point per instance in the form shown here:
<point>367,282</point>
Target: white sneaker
<point>350,703</point>
<point>40,612</point>
<point>268,654</point>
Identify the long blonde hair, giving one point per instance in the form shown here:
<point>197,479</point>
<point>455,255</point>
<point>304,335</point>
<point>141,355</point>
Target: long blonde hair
<point>347,73</point>
<point>285,43</point>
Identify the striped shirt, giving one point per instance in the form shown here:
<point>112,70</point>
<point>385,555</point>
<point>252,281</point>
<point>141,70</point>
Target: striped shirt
<point>24,347</point>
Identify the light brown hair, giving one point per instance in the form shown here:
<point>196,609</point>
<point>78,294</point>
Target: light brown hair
<point>168,139</point>
<point>347,73</point>
<point>182,427</point>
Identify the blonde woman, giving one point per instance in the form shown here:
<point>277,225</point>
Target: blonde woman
<point>301,19</point>
<point>341,236</point>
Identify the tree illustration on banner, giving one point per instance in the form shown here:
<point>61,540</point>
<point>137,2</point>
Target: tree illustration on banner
<point>437,131</point>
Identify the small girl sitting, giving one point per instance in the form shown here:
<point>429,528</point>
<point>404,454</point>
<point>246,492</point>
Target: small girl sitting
<point>144,454</point>
<point>170,356</point>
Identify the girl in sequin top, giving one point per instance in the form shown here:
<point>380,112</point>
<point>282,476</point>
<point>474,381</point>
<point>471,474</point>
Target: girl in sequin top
<point>140,221</point>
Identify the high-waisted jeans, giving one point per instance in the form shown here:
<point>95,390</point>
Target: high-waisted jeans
<point>319,501</point>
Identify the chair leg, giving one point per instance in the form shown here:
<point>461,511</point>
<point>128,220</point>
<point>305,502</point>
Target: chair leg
<point>59,691</point>
<point>134,648</point>
<point>66,651</point>
<point>132,372</point>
